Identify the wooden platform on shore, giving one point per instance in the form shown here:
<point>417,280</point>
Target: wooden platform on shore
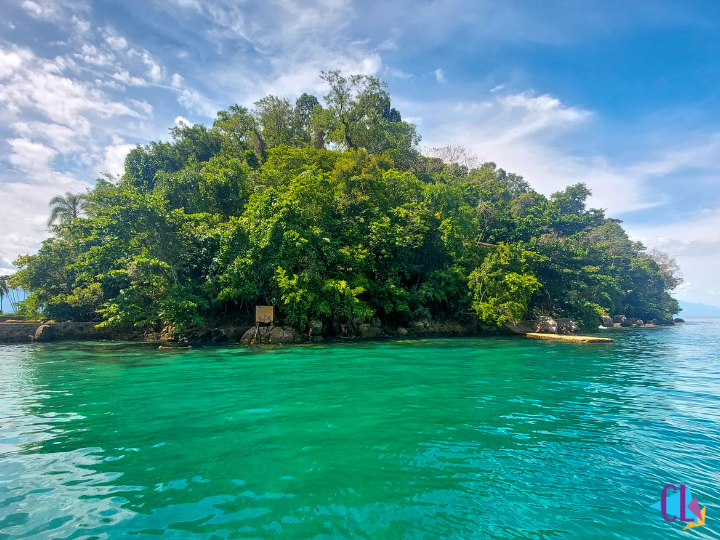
<point>570,338</point>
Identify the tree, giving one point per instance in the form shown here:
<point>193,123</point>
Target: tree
<point>66,208</point>
<point>331,213</point>
<point>668,267</point>
<point>362,116</point>
<point>4,288</point>
<point>276,116</point>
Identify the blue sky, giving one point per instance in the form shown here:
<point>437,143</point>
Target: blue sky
<point>621,95</point>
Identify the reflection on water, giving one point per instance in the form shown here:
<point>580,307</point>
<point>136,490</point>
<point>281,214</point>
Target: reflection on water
<point>457,438</point>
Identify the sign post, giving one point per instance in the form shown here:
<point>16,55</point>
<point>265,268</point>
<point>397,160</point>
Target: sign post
<point>265,315</point>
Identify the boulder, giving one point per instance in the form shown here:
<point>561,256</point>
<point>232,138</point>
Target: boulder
<point>357,321</point>
<point>607,322</point>
<point>286,334</point>
<point>270,335</point>
<point>566,326</point>
<point>218,335</point>
<point>368,331</point>
<point>619,319</point>
<point>376,322</point>
<point>317,338</point>
<point>235,333</point>
<point>546,325</point>
<point>402,331</point>
<point>676,321</point>
<point>316,327</point>
<point>45,333</point>
<point>417,326</point>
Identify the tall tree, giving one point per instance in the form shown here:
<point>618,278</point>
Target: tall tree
<point>276,116</point>
<point>4,288</point>
<point>67,208</point>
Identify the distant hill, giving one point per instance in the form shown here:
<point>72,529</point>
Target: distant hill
<point>690,309</point>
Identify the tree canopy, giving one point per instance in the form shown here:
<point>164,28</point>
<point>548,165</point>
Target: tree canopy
<point>331,212</point>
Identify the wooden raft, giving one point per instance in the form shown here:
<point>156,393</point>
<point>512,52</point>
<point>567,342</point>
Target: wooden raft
<point>570,338</point>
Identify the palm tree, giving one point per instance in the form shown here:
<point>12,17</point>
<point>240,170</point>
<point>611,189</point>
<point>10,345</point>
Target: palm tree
<point>67,208</point>
<point>4,288</point>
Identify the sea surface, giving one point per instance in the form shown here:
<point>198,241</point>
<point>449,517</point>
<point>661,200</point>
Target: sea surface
<point>419,439</point>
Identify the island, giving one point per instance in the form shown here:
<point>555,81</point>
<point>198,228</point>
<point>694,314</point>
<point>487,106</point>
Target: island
<point>334,215</point>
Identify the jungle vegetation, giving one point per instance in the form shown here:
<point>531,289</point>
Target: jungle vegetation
<point>330,211</point>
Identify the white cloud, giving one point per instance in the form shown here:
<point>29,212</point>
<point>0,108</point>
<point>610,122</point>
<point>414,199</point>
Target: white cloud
<point>82,27</point>
<point>695,243</point>
<point>36,84</point>
<point>115,41</point>
<point>497,88</point>
<point>143,106</point>
<point>194,102</point>
<point>154,70</point>
<point>9,62</point>
<point>30,157</point>
<point>61,138</point>
<point>114,157</point>
<point>91,55</point>
<point>124,77</point>
<point>182,120</point>
<point>177,80</point>
<point>46,10</point>
<point>440,76</point>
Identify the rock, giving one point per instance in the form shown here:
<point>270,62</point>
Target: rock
<point>286,334</point>
<point>368,331</point>
<point>661,322</point>
<point>617,324</point>
<point>566,326</point>
<point>316,327</point>
<point>253,336</point>
<point>317,338</point>
<point>639,322</point>
<point>402,331</point>
<point>417,326</point>
<point>218,335</point>
<point>235,333</point>
<point>377,323</point>
<point>270,335</point>
<point>45,333</point>
<point>619,319</point>
<point>357,321</point>
<point>607,322</point>
<point>546,325</point>
<point>676,321</point>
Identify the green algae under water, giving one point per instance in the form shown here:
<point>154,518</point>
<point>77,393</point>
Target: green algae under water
<point>438,438</point>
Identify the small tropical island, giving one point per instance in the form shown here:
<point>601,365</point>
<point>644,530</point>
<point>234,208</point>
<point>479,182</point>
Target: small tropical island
<point>333,214</point>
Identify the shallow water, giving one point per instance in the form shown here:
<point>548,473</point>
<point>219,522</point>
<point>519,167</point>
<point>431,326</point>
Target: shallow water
<point>446,438</point>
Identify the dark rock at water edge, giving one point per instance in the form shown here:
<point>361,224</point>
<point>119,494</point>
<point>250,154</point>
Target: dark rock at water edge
<point>543,325</point>
<point>271,335</point>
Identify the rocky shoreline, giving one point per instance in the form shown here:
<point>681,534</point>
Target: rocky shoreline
<point>316,331</point>
<point>43,332</point>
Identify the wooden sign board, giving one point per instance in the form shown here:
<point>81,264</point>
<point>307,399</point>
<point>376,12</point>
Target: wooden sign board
<point>264,314</point>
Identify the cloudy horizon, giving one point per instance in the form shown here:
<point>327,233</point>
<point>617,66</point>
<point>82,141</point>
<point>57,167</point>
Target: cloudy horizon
<point>622,98</point>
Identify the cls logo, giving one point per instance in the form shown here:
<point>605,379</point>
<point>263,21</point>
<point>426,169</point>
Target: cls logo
<point>680,504</point>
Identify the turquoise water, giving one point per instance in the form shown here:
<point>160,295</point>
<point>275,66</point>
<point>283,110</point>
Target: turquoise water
<point>445,438</point>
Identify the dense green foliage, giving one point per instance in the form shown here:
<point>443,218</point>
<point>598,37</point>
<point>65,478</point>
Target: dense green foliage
<point>332,213</point>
